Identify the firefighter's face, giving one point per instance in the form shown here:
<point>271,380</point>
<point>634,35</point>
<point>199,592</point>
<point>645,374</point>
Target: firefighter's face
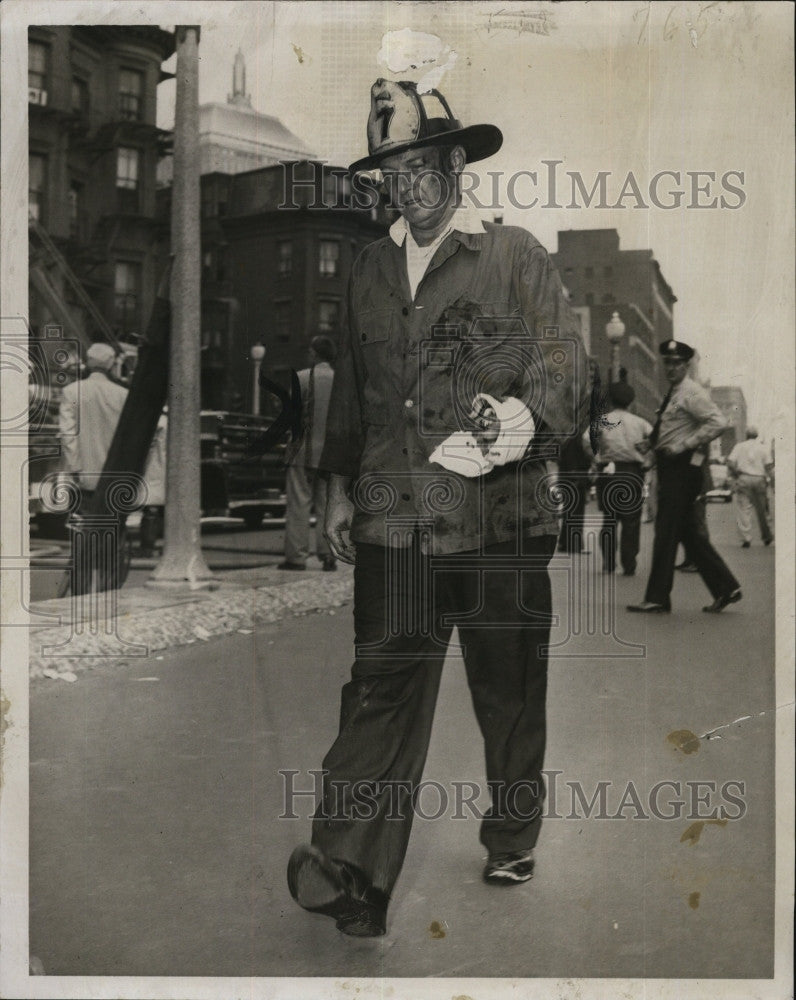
<point>422,185</point>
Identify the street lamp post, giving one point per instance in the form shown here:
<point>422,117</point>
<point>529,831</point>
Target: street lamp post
<point>257,354</point>
<point>614,331</point>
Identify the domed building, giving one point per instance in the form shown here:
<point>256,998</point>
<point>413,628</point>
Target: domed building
<point>234,137</point>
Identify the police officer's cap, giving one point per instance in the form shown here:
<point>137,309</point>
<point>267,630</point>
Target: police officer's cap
<point>676,349</point>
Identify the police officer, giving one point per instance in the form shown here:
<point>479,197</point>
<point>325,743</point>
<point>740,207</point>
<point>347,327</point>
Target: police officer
<point>687,420</point>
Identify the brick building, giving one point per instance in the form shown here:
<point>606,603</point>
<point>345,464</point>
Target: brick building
<point>602,279</point>
<point>732,403</point>
<point>93,153</point>
<point>278,244</point>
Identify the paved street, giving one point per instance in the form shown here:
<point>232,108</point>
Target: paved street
<point>156,847</point>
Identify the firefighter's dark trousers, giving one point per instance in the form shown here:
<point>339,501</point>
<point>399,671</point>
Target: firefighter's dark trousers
<point>404,603</point>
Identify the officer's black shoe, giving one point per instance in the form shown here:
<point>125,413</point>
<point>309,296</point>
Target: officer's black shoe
<point>649,608</point>
<point>687,567</point>
<point>509,869</point>
<point>337,890</point>
<point>721,602</point>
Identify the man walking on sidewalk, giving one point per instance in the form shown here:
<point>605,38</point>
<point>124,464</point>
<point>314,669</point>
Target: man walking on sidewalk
<point>620,494</point>
<point>751,467</point>
<point>306,486</point>
<point>687,420</point>
<point>460,350</point>
<point>87,419</point>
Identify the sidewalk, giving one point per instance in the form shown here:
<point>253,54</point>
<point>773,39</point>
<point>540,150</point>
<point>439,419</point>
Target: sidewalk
<point>70,635</point>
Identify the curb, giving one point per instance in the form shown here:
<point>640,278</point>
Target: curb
<point>139,632</point>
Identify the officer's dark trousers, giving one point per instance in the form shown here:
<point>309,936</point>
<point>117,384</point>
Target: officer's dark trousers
<point>621,496</point>
<point>679,484</point>
<point>576,487</point>
<point>403,602</point>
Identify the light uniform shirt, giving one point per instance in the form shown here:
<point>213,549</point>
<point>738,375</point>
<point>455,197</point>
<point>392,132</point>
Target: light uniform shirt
<point>750,458</point>
<point>464,220</point>
<point>620,434</point>
<point>690,419</point>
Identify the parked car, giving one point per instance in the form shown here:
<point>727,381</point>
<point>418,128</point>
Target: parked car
<point>239,477</point>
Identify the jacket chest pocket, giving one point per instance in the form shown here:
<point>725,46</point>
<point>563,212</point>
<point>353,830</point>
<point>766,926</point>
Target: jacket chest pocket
<point>375,328</point>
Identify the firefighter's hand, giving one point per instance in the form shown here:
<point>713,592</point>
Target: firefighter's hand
<point>488,426</point>
<point>337,525</point>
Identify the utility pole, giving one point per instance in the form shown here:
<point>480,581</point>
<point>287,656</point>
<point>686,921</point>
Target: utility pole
<point>183,562</point>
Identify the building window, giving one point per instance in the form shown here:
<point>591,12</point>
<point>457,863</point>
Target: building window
<point>37,184</point>
<point>285,258</point>
<point>221,264</point>
<point>75,203</point>
<point>608,297</point>
<point>608,272</point>
<point>79,96</point>
<point>329,259</point>
<point>131,90</point>
<point>336,189</point>
<point>282,322</point>
<point>127,173</point>
<point>328,317</point>
<point>589,298</point>
<point>589,272</point>
<point>126,286</point>
<point>37,71</point>
<point>208,201</point>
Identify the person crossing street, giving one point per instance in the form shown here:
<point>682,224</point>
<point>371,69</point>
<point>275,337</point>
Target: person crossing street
<point>750,467</point>
<point>687,420</point>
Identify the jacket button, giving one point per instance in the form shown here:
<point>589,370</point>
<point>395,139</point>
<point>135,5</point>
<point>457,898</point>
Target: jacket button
<point>405,496</point>
<point>405,311</point>
<point>409,404</point>
<point>364,336</point>
<point>405,451</point>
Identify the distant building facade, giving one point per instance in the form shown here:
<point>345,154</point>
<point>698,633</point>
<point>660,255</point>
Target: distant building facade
<point>235,138</point>
<point>602,279</point>
<point>732,403</point>
<point>93,152</point>
<point>278,245</point>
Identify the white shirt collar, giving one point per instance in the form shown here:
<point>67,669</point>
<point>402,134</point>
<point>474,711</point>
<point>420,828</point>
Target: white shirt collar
<point>464,220</point>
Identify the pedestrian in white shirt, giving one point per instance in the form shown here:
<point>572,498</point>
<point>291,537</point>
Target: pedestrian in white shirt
<point>620,493</point>
<point>750,466</point>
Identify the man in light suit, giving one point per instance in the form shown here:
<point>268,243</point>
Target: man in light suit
<point>306,487</point>
<point>87,419</point>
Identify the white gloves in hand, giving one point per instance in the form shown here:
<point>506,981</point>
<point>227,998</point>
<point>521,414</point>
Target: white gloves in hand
<point>462,453</point>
